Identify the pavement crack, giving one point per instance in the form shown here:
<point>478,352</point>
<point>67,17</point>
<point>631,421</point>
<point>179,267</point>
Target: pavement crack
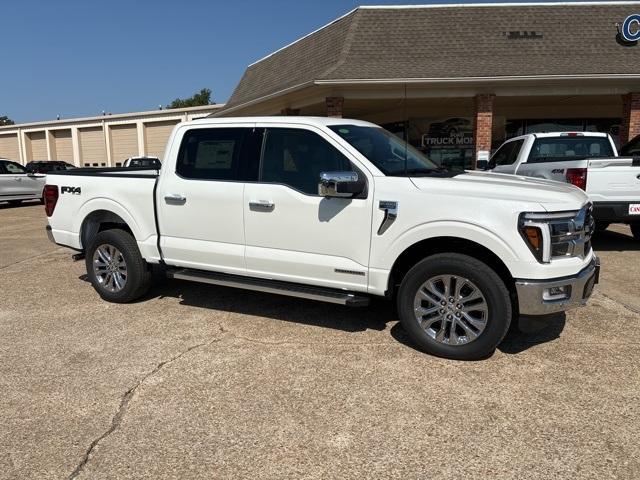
<point>628,307</point>
<point>30,258</point>
<point>116,420</point>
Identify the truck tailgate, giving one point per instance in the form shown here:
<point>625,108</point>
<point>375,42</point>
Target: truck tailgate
<point>614,180</point>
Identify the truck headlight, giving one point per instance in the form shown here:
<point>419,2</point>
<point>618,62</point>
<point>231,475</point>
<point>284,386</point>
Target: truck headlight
<point>557,235</point>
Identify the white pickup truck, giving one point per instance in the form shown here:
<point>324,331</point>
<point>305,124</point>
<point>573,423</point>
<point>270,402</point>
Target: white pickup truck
<point>588,160</point>
<point>335,210</point>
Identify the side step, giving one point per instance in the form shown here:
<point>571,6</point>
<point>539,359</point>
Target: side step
<point>272,286</point>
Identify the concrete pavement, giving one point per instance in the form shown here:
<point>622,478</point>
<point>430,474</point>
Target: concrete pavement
<point>197,381</point>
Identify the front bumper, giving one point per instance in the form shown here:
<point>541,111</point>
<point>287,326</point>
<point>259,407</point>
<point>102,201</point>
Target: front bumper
<point>534,295</point>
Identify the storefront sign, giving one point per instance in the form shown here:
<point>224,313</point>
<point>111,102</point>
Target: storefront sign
<point>631,28</point>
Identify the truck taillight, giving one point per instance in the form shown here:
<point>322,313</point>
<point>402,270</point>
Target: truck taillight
<point>50,195</point>
<point>577,177</point>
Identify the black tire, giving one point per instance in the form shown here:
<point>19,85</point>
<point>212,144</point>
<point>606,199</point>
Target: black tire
<point>15,203</point>
<point>494,290</point>
<point>138,272</point>
<point>635,230</point>
<point>602,226</point>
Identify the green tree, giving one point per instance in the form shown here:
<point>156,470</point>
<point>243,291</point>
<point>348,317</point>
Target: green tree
<point>203,97</point>
<point>4,120</point>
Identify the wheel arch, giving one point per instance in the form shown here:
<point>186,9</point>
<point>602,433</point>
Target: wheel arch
<point>446,244</point>
<point>98,221</point>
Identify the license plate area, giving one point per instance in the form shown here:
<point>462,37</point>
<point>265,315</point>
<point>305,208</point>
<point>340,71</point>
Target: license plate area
<point>634,209</point>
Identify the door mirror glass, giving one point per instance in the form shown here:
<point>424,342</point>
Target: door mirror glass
<point>340,184</point>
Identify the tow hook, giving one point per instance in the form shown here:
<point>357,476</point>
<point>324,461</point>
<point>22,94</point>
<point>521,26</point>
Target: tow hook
<point>76,257</point>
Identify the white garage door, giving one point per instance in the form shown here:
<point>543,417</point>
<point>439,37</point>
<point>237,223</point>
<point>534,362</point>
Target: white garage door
<point>63,148</point>
<point>93,151</point>
<point>156,135</point>
<point>9,147</point>
<point>124,142</point>
<point>37,146</point>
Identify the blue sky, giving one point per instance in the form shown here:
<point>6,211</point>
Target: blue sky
<point>77,58</point>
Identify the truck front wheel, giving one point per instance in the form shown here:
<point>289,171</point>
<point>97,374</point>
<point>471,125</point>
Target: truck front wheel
<point>115,267</point>
<point>454,306</point>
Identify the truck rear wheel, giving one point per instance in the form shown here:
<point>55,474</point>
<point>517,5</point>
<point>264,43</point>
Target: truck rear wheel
<point>454,306</point>
<point>635,230</point>
<point>115,267</point>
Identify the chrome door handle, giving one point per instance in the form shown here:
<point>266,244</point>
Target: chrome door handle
<point>262,205</point>
<point>175,199</point>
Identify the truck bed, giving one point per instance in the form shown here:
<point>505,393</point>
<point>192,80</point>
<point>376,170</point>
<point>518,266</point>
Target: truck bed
<point>86,193</point>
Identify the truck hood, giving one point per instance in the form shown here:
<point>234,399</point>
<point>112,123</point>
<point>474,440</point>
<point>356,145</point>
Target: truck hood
<point>549,194</point>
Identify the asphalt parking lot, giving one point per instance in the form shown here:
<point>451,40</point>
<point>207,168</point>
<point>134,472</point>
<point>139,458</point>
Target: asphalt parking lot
<point>197,381</point>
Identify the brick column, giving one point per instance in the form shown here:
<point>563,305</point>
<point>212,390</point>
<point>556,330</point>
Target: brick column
<point>483,123</point>
<point>334,106</point>
<point>290,112</point>
<point>630,126</point>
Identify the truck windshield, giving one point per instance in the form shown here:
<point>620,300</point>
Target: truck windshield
<point>566,148</point>
<point>389,153</point>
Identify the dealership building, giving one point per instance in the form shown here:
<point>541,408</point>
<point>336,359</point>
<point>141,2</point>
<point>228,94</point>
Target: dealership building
<point>456,80</point>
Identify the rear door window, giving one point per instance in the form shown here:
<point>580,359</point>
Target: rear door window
<point>567,148</point>
<point>231,154</point>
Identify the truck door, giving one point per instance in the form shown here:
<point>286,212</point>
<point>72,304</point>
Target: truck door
<point>294,234</point>
<point>200,196</point>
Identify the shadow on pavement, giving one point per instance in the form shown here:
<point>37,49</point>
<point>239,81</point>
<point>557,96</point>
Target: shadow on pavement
<point>528,332</point>
<point>277,307</point>
<point>610,241</point>
<point>24,203</point>
<point>532,331</point>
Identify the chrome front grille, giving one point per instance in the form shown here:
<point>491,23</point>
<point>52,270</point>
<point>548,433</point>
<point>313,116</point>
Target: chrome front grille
<point>571,235</point>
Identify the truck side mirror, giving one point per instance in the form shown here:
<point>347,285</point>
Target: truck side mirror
<point>340,184</point>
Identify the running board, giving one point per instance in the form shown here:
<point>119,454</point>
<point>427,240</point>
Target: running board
<point>272,286</point>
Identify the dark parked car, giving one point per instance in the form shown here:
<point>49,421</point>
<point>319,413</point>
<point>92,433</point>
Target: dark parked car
<point>46,166</point>
<point>631,149</point>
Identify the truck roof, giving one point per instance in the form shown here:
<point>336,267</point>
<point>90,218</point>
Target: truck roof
<point>301,120</point>
<point>562,134</point>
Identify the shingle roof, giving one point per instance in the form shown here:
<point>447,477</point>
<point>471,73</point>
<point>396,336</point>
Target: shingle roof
<point>450,42</point>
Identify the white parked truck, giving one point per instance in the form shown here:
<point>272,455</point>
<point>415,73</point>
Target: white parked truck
<point>588,160</point>
<point>335,210</point>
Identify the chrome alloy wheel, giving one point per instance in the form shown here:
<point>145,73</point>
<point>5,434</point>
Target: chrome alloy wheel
<point>451,309</point>
<point>110,268</point>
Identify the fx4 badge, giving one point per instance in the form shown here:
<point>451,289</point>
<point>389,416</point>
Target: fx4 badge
<point>71,190</point>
